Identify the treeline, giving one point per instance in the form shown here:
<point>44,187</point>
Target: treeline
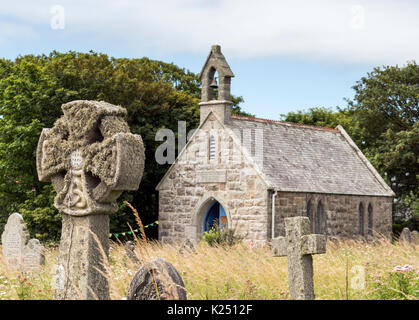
<point>382,120</point>
<point>33,88</point>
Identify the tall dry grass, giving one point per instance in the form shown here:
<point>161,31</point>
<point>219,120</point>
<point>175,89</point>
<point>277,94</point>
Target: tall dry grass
<point>239,272</point>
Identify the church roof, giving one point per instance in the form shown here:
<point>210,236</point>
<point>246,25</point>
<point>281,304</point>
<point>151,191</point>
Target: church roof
<point>302,158</point>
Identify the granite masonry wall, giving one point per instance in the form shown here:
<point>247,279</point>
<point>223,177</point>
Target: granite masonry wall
<point>219,171</point>
<point>340,213</point>
<point>197,179</point>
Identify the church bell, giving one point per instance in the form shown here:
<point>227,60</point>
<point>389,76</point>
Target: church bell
<point>214,84</point>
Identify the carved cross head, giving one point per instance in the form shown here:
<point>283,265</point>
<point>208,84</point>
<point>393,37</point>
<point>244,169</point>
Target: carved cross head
<point>90,157</point>
<point>298,241</point>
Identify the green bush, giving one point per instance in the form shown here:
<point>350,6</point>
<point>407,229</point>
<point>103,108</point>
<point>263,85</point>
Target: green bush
<point>217,236</point>
<point>212,237</point>
<point>400,283</point>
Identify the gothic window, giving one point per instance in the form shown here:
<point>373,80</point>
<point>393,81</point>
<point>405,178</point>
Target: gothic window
<point>319,218</point>
<point>309,213</point>
<point>361,219</point>
<point>230,149</point>
<point>211,148</point>
<point>370,219</point>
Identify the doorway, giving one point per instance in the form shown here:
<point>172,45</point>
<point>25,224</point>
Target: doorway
<point>214,216</point>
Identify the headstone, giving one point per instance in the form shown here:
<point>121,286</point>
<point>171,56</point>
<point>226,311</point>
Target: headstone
<point>90,157</point>
<point>157,280</point>
<point>298,245</point>
<point>187,246</point>
<point>129,250</point>
<point>414,237</point>
<point>405,236</point>
<point>33,256</point>
<point>18,251</point>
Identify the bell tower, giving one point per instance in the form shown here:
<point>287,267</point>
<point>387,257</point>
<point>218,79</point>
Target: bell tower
<point>216,96</point>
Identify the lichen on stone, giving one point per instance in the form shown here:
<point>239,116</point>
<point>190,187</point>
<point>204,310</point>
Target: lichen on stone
<point>106,156</point>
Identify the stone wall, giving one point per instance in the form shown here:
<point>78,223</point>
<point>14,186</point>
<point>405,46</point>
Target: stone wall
<point>341,212</point>
<point>197,178</point>
<point>189,187</point>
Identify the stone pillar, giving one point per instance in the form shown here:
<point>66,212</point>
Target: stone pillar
<point>84,250</point>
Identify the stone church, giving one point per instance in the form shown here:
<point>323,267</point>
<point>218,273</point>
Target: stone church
<point>248,174</point>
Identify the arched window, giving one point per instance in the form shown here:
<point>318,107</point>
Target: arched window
<point>309,213</point>
<point>211,148</point>
<point>319,218</point>
<point>370,219</point>
<point>361,219</point>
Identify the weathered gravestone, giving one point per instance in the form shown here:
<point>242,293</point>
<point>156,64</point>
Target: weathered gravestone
<point>90,157</point>
<point>187,246</point>
<point>33,256</point>
<point>405,235</point>
<point>298,245</point>
<point>18,251</point>
<point>414,237</point>
<point>129,250</point>
<point>157,280</point>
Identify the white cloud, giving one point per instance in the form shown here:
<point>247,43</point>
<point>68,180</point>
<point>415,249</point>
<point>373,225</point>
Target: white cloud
<point>378,31</point>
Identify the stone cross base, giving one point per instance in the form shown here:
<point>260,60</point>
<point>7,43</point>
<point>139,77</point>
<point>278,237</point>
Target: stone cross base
<point>81,258</point>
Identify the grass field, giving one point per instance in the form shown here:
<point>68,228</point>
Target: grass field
<point>349,270</point>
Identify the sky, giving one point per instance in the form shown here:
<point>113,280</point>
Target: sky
<point>286,55</point>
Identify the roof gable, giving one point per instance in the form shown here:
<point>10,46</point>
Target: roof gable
<point>236,141</point>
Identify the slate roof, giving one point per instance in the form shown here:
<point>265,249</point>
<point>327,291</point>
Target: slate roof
<point>301,158</point>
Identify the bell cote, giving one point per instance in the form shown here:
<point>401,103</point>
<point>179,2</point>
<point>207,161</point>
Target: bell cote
<point>215,94</point>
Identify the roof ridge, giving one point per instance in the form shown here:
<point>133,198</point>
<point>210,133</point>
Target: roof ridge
<point>291,124</point>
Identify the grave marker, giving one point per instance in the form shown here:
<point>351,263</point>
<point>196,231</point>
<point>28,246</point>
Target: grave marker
<point>157,280</point>
<point>405,236</point>
<point>90,157</point>
<point>18,251</point>
<point>414,237</point>
<point>129,250</point>
<point>298,245</point>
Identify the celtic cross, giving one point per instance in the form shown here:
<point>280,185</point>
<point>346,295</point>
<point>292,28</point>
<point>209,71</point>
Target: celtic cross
<point>90,157</point>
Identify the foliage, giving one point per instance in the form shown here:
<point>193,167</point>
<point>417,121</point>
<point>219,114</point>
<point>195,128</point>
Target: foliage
<point>382,119</point>
<point>37,210</point>
<point>24,288</point>
<point>401,283</point>
<point>326,117</point>
<point>386,106</point>
<point>216,236</point>
<point>244,271</point>
<point>32,89</point>
<point>411,224</point>
<point>212,236</point>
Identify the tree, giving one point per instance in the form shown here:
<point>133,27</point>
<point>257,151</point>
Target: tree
<point>33,88</point>
<point>382,119</point>
<point>386,105</point>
